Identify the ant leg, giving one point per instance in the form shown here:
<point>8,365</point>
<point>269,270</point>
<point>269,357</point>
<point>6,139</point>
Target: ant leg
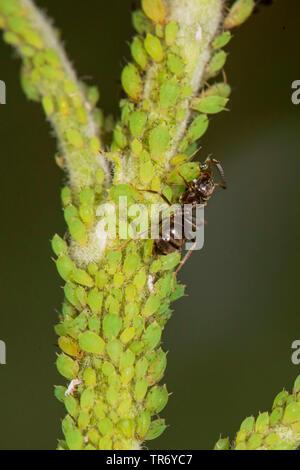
<point>156,192</point>
<point>183,178</point>
<point>221,171</point>
<point>182,263</point>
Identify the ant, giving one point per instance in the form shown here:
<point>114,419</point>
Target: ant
<point>197,192</point>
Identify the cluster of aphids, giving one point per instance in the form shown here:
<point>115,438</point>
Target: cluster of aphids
<point>197,192</point>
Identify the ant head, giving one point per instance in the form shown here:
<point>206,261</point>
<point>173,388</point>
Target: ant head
<point>206,167</point>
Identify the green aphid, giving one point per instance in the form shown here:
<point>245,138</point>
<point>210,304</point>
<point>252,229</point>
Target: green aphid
<point>127,375</point>
<point>141,367</point>
<point>138,53</point>
<point>105,443</point>
<point>74,439</point>
<point>78,230</point>
<point>17,24</point>
<point>94,300</point>
<point>67,367</point>
<point>221,40</point>
<point>91,343</point>
<point>171,32</point>
<point>82,277</point>
<point>33,38</point>
<point>87,399</point>
<point>177,293</point>
<point>291,413</point>
<point>151,306</point>
<point>169,94</point>
<point>70,213</point>
<point>119,279</point>
<point>157,399</point>
<point>131,264</point>
<point>120,139</point>
<point>29,88</point>
<point>70,293</point>
<point>108,369</point>
<point>146,172</point>
<point>112,305</point>
<point>140,389</point>
<point>126,426</point>
<point>143,423</point>
<point>276,416</point>
<point>296,388</point>
<point>238,13</point>
<point>155,266</point>
<point>155,10</point>
<point>59,246</point>
<point>218,89</point>
<point>94,323</point>
<point>65,267</point>
<point>157,427</point>
<point>11,38</point>
<point>136,147</point>
<point>127,359</point>
<point>59,393</point>
<point>93,95</point>
<point>92,268</point>
<point>67,424</point>
<point>189,171</point>
<point>222,444</point>
<point>123,190</point>
<point>152,335</point>
<point>272,440</point>
<point>112,325</point>
<point>210,104</point>
<point>175,64</point>
<point>48,105</point>
<point>158,363</point>
<point>198,128</point>
<point>105,426</point>
<point>74,137</point>
<point>95,146</point>
<point>140,279</point>
<point>66,196</point>
<point>81,295</point>
<point>68,346</point>
<point>112,396</point>
<point>262,422</point>
<point>101,279</point>
<point>89,377</point>
<point>11,7</point>
<point>248,424</point>
<point>140,22</point>
<point>63,106</point>
<point>158,141</point>
<point>137,347</point>
<point>127,335</point>
<point>83,421</point>
<point>114,349</point>
<point>137,122</point>
<point>154,47</point>
<point>254,441</point>
<point>281,398</point>
<point>72,406</point>
<point>169,262</point>
<point>216,63</point>
<point>131,82</point>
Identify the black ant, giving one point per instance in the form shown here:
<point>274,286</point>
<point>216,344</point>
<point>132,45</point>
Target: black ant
<point>197,192</point>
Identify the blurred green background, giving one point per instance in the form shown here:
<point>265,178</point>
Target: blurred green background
<point>230,340</point>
